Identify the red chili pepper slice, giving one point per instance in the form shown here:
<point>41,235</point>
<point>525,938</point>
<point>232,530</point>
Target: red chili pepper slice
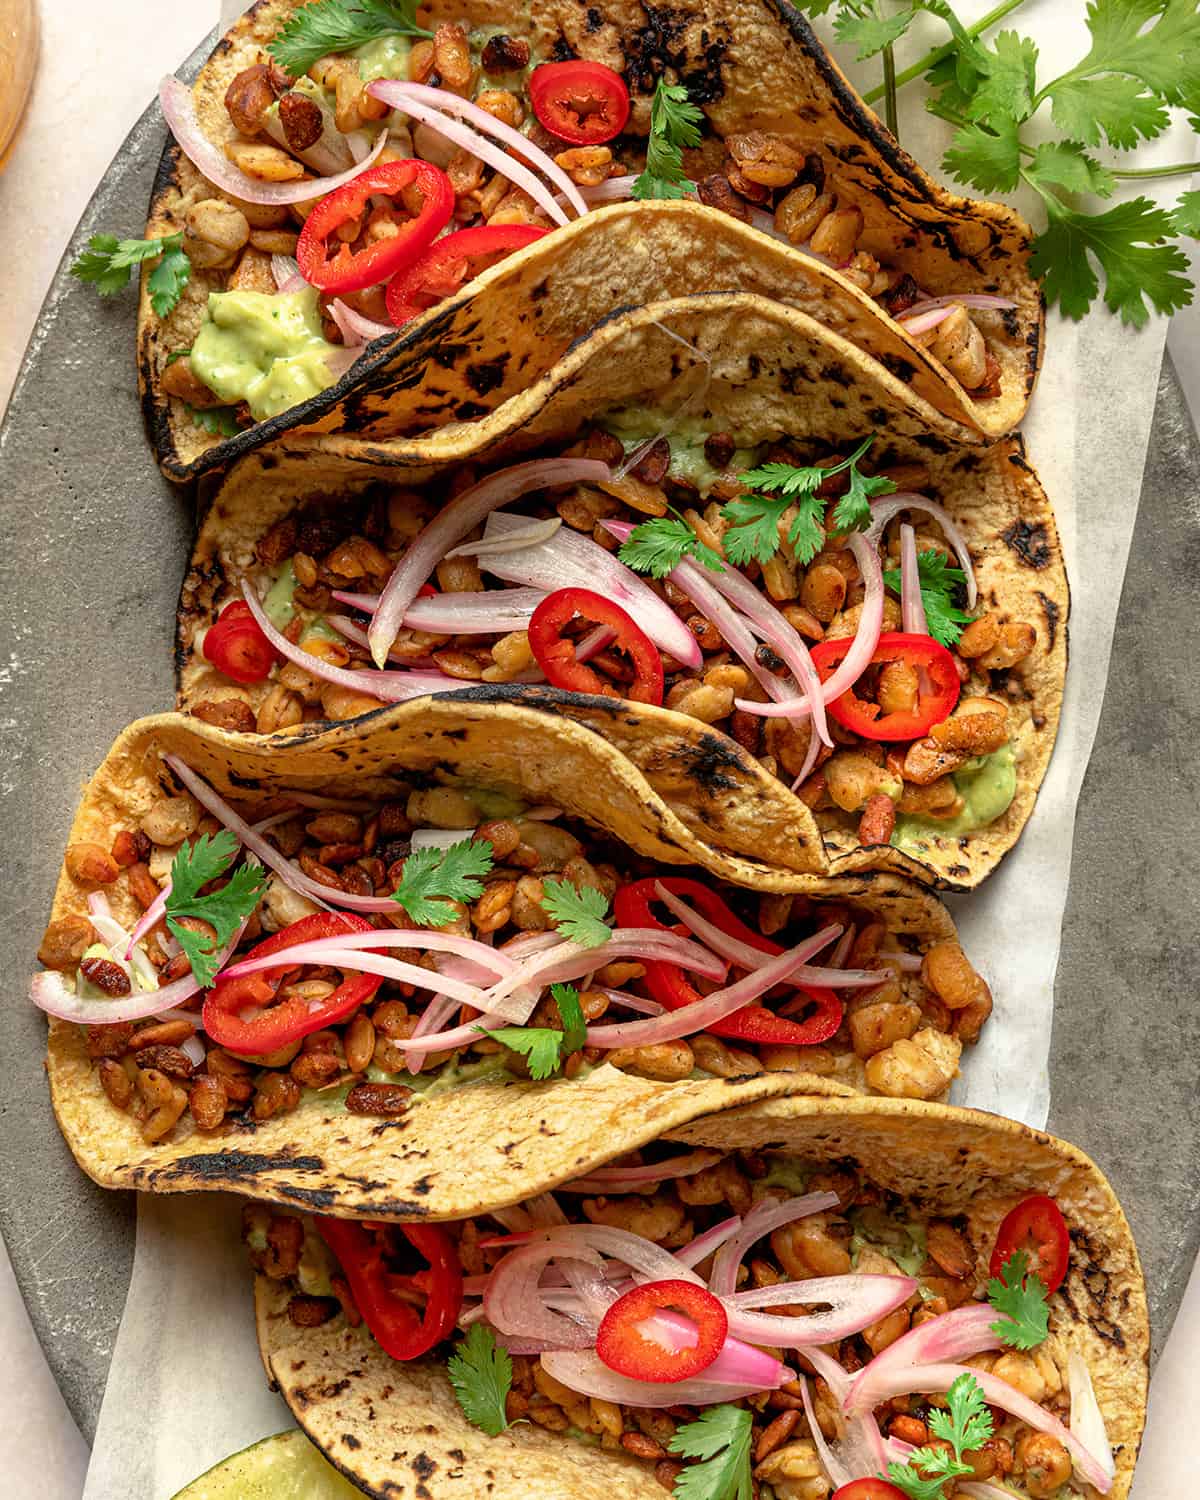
<point>868,1489</point>
<point>557,658</point>
<point>582,102</point>
<point>277,1024</point>
<point>668,985</point>
<point>451,263</point>
<point>1037,1227</point>
<point>864,717</point>
<point>237,647</point>
<point>347,270</point>
<point>623,1347</point>
<point>398,1328</point>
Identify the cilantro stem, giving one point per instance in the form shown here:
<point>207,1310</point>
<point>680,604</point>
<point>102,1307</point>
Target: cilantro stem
<point>1180,169</point>
<point>931,59</point>
<point>890,116</point>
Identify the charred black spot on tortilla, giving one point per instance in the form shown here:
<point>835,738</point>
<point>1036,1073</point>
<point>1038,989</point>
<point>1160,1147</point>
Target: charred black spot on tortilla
<point>901,368</point>
<point>878,416</point>
<point>837,375</point>
<point>468,411</point>
<point>1029,542</point>
<point>541,290</point>
<point>594,19</point>
<point>351,1441</point>
<point>958,870</point>
<point>562,51</point>
<point>457,1455</point>
<point>423,1185</point>
<point>932,442</point>
<point>450,356</point>
<point>1051,611</point>
<point>710,761</point>
<point>423,1466</point>
<point>754,364</point>
<point>243,1165</point>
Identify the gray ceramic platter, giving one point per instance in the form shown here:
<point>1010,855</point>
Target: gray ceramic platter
<point>94,546</point>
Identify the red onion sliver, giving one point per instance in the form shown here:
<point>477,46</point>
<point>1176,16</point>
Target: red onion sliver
<point>148,918</point>
<point>635,1003</point>
<point>1087,1420</point>
<point>478,613</point>
<point>431,939</point>
<point>355,328</point>
<point>855,1303</point>
<point>884,509</point>
<point>286,270</point>
<point>862,649</point>
<point>179,108</point>
<point>327,951</point>
<point>954,1336</point>
<point>584,1371</point>
<point>923,322</point>
<point>572,960</point>
<point>835,1470</point>
<point>702,1014</point>
<point>762,1220</point>
<point>401,96</point>
<point>512,1302</point>
<point>453,522</point>
<point>983,301</point>
<point>626,1179</point>
<point>705,1244</point>
<point>432,1019</point>
<point>569,560</point>
<point>388,687</point>
<point>912,606</point>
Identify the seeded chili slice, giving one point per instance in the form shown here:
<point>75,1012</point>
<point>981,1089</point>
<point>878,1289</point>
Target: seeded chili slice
<point>937,696</point>
<point>384,1296</point>
<point>868,1489</point>
<point>332,265</point>
<point>556,656</point>
<point>237,647</point>
<point>451,263</point>
<point>1037,1227</point>
<point>582,102</point>
<point>626,1346</point>
<point>272,1025</point>
<point>668,984</point>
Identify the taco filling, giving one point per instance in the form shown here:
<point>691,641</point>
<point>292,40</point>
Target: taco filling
<point>381,954</point>
<point>751,1322</point>
<point>826,616</point>
<point>360,182</point>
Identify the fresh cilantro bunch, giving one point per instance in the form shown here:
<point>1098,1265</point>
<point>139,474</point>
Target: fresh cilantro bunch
<point>481,1373</point>
<point>433,878</point>
<point>1144,60</point>
<point>108,264</point>
<point>674,126</point>
<point>966,1425</point>
<point>577,911</point>
<point>753,535</point>
<point>546,1048</point>
<point>943,619</point>
<point>721,1439</point>
<point>225,910</point>
<point>337,25</point>
<point>659,545</point>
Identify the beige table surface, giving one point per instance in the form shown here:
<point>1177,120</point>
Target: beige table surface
<point>100,66</point>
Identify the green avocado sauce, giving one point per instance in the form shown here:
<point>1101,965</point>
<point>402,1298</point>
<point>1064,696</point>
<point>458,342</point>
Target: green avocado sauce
<point>688,463</point>
<point>900,1241</point>
<point>987,786</point>
<point>279,605</point>
<point>266,350</point>
<point>383,57</point>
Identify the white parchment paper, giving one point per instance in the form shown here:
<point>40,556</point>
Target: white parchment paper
<point>186,1386</point>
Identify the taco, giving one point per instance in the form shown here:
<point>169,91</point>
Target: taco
<point>785,184</point>
<point>662,467</point>
<point>505,869</point>
<point>805,1297</point>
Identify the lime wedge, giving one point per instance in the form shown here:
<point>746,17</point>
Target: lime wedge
<point>283,1467</point>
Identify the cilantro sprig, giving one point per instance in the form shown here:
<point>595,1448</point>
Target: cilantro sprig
<point>481,1373</point>
<point>1019,1294</point>
<point>753,535</point>
<point>337,25</point>
<point>225,909</point>
<point>943,619</point>
<point>433,878</point>
<point>674,126</point>
<point>1013,128</point>
<point>108,263</point>
<point>659,545</point>
<point>966,1425</point>
<point>577,911</point>
<point>546,1048</point>
<point>721,1440</point>
<point>218,421</point>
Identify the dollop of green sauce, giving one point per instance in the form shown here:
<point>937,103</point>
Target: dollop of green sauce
<point>383,57</point>
<point>688,463</point>
<point>987,786</point>
<point>266,350</point>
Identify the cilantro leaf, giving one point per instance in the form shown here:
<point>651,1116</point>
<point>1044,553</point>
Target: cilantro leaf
<point>192,868</point>
<point>108,264</point>
<point>338,25</point>
<point>219,421</point>
<point>966,1425</point>
<point>753,535</point>
<point>721,1439</point>
<point>943,619</point>
<point>577,911</point>
<point>1067,165</point>
<point>1007,88</point>
<point>657,546</point>
<point>988,157</point>
<point>1118,108</point>
<point>1186,217</point>
<point>853,510</point>
<point>433,878</point>
<point>481,1373</point>
<point>1162,56</point>
<point>1020,1294</point>
<point>674,125</point>
<point>546,1048</point>
<point>1127,241</point>
<point>859,26</point>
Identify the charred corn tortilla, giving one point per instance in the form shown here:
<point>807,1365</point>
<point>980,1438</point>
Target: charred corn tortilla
<point>396,1429</point>
<point>741,357</point>
<point>753,66</point>
<point>323,1158</point>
